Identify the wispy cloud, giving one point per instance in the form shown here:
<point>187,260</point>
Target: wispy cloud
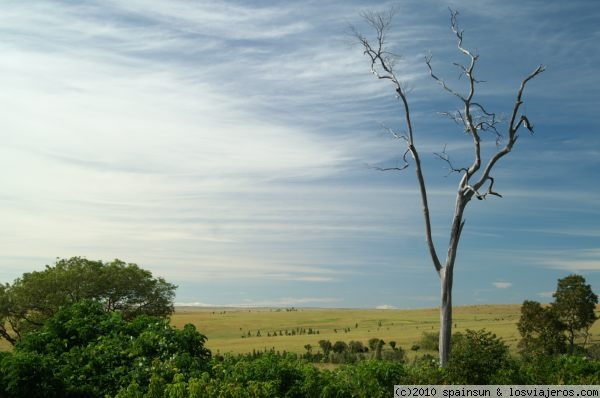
<point>228,141</point>
<point>502,285</point>
<point>573,260</point>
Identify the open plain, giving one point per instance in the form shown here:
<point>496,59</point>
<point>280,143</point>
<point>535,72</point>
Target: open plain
<point>225,327</point>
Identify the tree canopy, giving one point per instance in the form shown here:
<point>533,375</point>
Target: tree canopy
<point>85,351</point>
<point>574,305</point>
<point>544,330</point>
<point>116,285</point>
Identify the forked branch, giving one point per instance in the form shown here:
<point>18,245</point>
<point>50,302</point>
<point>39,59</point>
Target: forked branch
<point>513,129</point>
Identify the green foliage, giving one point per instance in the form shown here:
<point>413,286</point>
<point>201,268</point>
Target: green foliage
<point>593,351</point>
<point>376,346</point>
<point>543,328</point>
<point>326,346</point>
<point>574,305</point>
<point>365,379</point>
<point>562,369</point>
<point>340,347</point>
<point>476,357</point>
<point>430,341</point>
<point>29,374</point>
<point>36,296</point>
<point>424,370</point>
<point>396,354</point>
<point>272,375</point>
<point>356,347</point>
<point>84,351</point>
<point>541,331</point>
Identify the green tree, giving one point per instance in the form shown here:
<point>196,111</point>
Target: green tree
<point>118,286</point>
<point>541,331</point>
<point>376,346</point>
<point>326,346</point>
<point>356,347</point>
<point>373,343</point>
<point>574,305</point>
<point>340,347</point>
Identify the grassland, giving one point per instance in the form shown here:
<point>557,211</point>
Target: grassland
<point>224,327</point>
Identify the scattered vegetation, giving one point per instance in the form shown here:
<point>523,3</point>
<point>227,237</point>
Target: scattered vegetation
<point>88,347</point>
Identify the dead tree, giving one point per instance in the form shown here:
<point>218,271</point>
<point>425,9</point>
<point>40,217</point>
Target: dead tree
<point>476,179</point>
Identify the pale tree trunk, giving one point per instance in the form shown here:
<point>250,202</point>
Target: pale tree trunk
<point>445,315</point>
<point>446,275</point>
<point>475,120</point>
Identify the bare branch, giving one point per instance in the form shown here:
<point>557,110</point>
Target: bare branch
<point>397,168</point>
<point>512,128</point>
<point>457,117</point>
<point>441,82</point>
<point>394,134</point>
<point>382,66</point>
<point>446,158</point>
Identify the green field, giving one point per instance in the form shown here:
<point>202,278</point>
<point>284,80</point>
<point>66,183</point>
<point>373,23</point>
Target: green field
<point>224,327</point>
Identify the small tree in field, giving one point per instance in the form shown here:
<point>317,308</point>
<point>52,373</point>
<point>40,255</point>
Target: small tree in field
<point>476,179</point>
<point>326,347</point>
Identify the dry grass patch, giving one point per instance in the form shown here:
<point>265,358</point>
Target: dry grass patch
<point>224,327</point>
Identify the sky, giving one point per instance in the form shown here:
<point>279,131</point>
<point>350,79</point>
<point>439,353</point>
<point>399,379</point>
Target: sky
<point>230,147</point>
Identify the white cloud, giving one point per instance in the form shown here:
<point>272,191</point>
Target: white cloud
<point>385,307</point>
<point>282,302</point>
<point>502,285</point>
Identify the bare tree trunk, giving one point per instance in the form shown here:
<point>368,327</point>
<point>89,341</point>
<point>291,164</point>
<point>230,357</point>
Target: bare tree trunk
<point>445,315</point>
<point>475,120</point>
<point>446,278</point>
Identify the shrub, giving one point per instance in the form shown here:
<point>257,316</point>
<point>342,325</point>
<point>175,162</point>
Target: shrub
<point>397,354</point>
<point>84,351</point>
<point>356,347</point>
<point>476,357</point>
<point>340,347</point>
<point>593,352</point>
<point>563,369</point>
<point>430,341</point>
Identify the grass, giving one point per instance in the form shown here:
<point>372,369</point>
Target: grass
<point>224,327</point>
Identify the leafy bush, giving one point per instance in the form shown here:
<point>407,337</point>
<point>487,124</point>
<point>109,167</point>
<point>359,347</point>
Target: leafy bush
<point>29,374</point>
<point>476,357</point>
<point>593,351</point>
<point>84,351</point>
<point>563,369</point>
<point>397,354</point>
<point>430,341</point>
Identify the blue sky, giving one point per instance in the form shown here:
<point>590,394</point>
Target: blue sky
<point>223,145</point>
